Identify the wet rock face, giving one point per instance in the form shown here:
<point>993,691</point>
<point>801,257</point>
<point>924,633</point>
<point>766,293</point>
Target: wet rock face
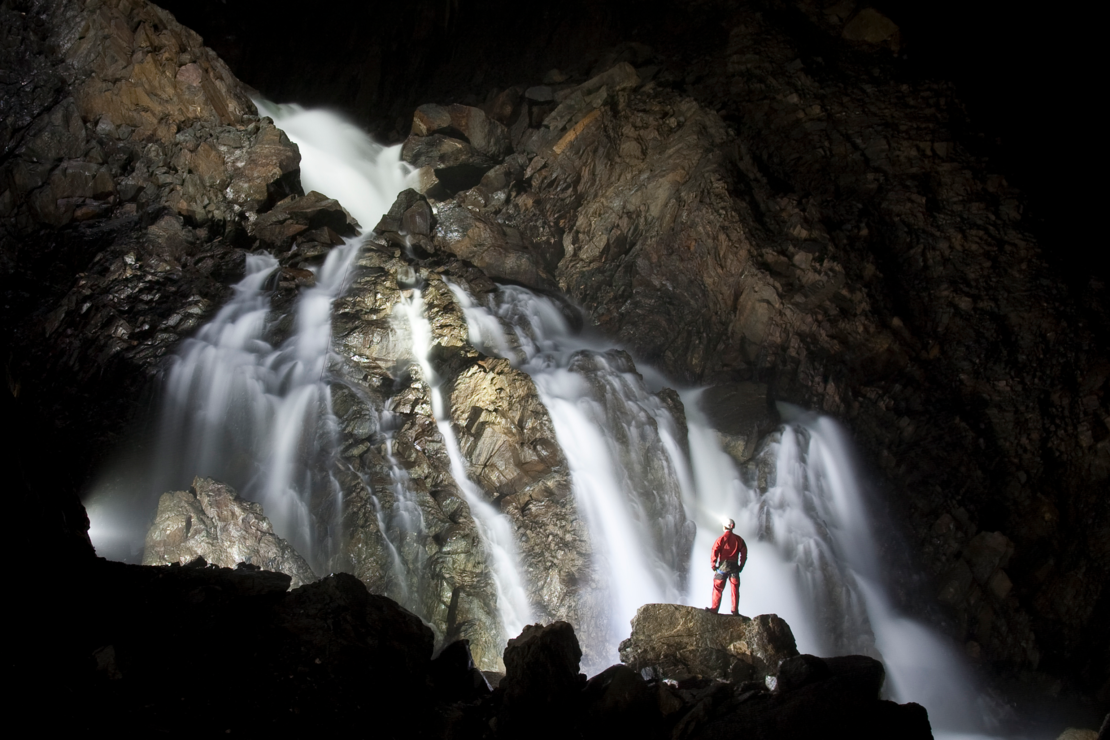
<point>630,188</point>
<point>819,227</point>
<point>210,521</point>
<point>508,441</point>
<point>502,252</point>
<point>683,642</point>
<point>741,414</point>
<point>132,163</point>
<point>407,530</point>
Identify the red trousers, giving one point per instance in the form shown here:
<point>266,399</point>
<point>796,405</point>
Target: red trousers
<point>719,588</point>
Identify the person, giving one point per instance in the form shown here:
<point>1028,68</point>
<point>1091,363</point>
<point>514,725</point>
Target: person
<point>730,552</point>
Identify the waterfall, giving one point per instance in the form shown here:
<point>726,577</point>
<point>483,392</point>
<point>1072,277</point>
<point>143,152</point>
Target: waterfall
<point>339,160</point>
<point>812,557</point>
<point>244,411</point>
<point>493,528</point>
<point>814,562</point>
<point>253,410</point>
<point>627,469</point>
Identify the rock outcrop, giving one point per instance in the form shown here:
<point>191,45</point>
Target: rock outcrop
<point>151,640</point>
<point>684,642</point>
<point>745,676</point>
<point>813,697</point>
<point>329,656</point>
<point>742,415</point>
<point>723,234</point>
<point>210,521</point>
<point>408,529</point>
<point>763,205</point>
<point>541,680</point>
<point>131,163</point>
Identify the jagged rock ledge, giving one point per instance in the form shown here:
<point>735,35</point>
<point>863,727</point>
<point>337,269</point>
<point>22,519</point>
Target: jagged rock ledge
<point>203,649</point>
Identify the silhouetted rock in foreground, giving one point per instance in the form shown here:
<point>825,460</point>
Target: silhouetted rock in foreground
<point>832,697</point>
<point>723,667</point>
<point>202,650</point>
<point>197,649</point>
<point>541,680</point>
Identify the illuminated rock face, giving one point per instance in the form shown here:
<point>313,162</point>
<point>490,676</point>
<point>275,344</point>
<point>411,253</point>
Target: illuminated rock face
<point>761,214</point>
<point>212,522</point>
<point>132,164</point>
<point>683,642</point>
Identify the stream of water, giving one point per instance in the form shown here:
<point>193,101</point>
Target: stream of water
<point>494,529</point>
<point>812,556</point>
<point>258,416</point>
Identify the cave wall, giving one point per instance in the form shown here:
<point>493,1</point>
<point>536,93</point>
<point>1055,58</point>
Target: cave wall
<point>786,203</point>
<point>131,164</point>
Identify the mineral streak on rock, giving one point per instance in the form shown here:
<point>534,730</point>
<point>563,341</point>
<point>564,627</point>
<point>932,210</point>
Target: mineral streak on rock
<point>210,521</point>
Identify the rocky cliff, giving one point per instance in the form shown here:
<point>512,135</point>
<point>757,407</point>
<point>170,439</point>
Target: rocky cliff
<point>819,246</point>
<point>132,166</point>
<point>779,204</point>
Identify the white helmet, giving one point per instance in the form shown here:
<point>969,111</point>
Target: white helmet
<point>730,525</point>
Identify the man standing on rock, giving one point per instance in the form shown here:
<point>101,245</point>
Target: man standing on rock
<point>730,552</point>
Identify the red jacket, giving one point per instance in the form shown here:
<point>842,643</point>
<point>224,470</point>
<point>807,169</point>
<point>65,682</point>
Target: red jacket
<point>730,546</point>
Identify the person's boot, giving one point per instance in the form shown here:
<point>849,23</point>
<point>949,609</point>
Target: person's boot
<point>735,613</point>
<point>710,609</point>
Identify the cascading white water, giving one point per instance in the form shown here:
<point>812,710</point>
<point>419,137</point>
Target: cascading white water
<point>921,665</point>
<point>339,160</point>
<point>627,470</point>
<point>769,583</point>
<point>258,417</point>
<point>494,529</point>
<point>812,558</point>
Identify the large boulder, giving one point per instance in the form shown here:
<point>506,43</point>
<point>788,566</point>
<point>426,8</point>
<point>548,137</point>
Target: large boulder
<point>814,697</point>
<point>465,123</point>
<point>208,650</point>
<point>457,142</point>
<point>210,521</point>
<point>502,252</point>
<point>542,685</point>
<point>541,665</point>
<point>683,642</point>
